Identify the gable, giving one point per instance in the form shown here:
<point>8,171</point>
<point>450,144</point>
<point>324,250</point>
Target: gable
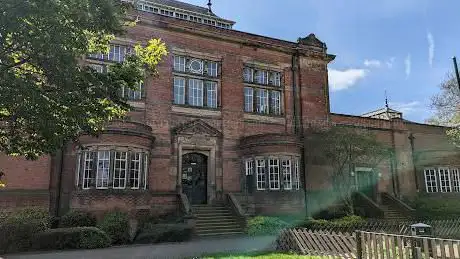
<point>196,127</point>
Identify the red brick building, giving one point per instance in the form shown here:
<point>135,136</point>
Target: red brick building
<point>226,115</point>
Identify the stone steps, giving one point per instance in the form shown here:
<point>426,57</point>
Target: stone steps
<point>215,220</point>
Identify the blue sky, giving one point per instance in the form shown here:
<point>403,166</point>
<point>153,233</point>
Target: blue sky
<point>402,46</point>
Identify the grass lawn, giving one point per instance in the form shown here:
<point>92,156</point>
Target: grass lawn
<point>272,255</point>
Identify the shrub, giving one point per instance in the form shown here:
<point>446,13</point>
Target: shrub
<point>72,238</point>
<point>157,233</point>
<point>19,229</point>
<point>435,208</point>
<point>77,219</point>
<point>39,216</point>
<point>331,213</point>
<point>265,226</point>
<point>342,223</point>
<point>148,219</point>
<point>116,225</point>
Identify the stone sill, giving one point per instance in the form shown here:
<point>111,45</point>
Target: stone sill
<point>137,104</point>
<point>265,119</point>
<point>196,111</point>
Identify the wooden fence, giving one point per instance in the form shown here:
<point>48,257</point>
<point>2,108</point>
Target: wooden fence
<point>441,228</point>
<point>366,245</point>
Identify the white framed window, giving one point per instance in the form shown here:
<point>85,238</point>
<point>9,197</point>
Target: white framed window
<point>275,102</point>
<point>211,94</point>
<point>444,180</point>
<point>261,174</point>
<point>120,170</point>
<point>249,167</point>
<point>430,180</point>
<point>88,176</point>
<point>179,90</point>
<point>287,174</point>
<point>195,92</point>
<point>248,99</point>
<point>274,173</point>
<point>275,78</point>
<point>196,66</point>
<point>103,169</point>
<point>261,77</point>
<point>296,174</point>
<point>179,63</point>
<point>248,75</point>
<point>135,170</point>
<point>262,101</point>
<point>455,180</point>
<point>212,68</point>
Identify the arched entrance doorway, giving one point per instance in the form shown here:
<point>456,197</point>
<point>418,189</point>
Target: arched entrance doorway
<point>194,177</point>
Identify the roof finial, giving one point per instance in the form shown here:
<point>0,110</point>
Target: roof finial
<point>209,6</point>
<point>386,99</point>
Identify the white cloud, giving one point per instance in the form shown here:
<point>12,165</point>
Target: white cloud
<point>406,108</point>
<point>390,62</point>
<point>408,65</point>
<point>372,63</point>
<point>430,39</point>
<point>341,80</point>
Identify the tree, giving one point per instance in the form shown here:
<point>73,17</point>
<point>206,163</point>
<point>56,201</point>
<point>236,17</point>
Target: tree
<point>47,96</point>
<point>446,104</point>
<point>343,148</point>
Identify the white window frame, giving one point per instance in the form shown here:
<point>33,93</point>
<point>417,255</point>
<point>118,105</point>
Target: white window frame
<point>145,170</point>
<point>248,99</point>
<point>275,102</point>
<point>179,63</point>
<point>276,79</point>
<point>261,77</point>
<point>261,174</point>
<point>455,180</point>
<point>248,75</point>
<point>100,176</point>
<point>211,94</point>
<point>212,68</point>
<point>196,71</point>
<point>430,184</point>
<point>179,90</point>
<point>98,67</point>
<point>135,169</point>
<point>286,169</point>
<point>263,102</point>
<point>249,166</point>
<point>274,173</point>
<point>133,95</point>
<point>296,174</point>
<point>195,92</point>
<point>444,179</point>
<point>118,169</point>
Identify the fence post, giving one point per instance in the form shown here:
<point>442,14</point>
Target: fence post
<point>359,245</point>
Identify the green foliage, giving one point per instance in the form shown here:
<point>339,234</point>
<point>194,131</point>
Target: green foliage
<point>77,219</point>
<point>341,223</point>
<point>116,225</point>
<point>436,208</point>
<point>260,255</point>
<point>19,228</point>
<point>17,236</point>
<point>38,216</point>
<point>47,97</point>
<point>149,219</point>
<point>72,238</point>
<point>261,225</point>
<point>157,233</point>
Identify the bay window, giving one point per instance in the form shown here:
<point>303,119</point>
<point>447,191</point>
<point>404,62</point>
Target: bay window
<point>116,168</point>
<point>276,173</point>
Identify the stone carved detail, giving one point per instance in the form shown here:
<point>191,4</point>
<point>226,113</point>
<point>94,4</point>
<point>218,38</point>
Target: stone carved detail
<point>314,64</point>
<point>311,40</point>
<point>197,127</point>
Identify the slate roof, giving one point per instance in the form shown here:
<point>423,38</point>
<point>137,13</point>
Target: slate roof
<point>184,6</point>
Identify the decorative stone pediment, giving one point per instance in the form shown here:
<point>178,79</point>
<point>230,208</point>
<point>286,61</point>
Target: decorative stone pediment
<point>311,40</point>
<point>197,127</point>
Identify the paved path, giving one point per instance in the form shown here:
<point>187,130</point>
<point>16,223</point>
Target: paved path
<point>167,251</point>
